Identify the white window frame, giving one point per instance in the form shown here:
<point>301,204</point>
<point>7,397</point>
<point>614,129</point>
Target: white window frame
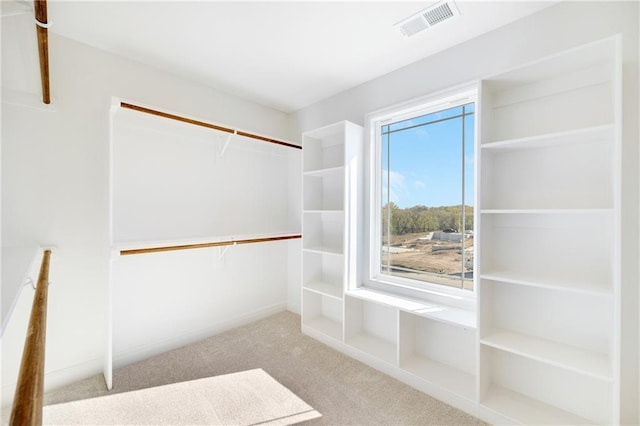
<point>371,272</point>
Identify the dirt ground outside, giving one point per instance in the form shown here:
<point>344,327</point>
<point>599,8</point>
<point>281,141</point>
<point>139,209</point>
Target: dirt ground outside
<point>419,257</point>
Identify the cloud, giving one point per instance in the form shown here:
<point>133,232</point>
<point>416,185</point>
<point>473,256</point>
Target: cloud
<point>419,184</point>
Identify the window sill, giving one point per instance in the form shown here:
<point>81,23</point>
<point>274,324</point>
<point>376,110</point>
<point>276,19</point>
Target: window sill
<point>460,317</point>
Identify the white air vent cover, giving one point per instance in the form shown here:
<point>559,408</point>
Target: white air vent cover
<point>439,12</point>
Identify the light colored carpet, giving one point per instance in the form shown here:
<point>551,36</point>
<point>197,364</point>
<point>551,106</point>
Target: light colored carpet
<point>246,398</point>
<point>344,390</point>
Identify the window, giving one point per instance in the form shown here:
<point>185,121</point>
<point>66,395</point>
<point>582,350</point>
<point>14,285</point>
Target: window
<point>421,205</point>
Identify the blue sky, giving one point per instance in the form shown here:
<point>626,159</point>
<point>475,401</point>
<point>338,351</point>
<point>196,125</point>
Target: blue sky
<point>426,162</point>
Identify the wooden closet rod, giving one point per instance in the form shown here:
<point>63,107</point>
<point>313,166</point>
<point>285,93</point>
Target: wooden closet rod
<point>207,125</point>
<point>28,399</point>
<point>206,245</point>
<point>42,25</point>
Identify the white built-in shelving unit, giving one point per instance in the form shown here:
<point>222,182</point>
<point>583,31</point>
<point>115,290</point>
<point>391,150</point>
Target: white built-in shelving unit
<point>332,159</point>
<point>543,345</point>
<point>548,263</point>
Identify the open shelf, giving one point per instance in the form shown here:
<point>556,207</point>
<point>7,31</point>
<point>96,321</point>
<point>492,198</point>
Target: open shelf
<point>324,250</point>
<point>570,251</point>
<point>549,140</point>
<point>569,330</point>
<point>323,150</point>
<point>532,392</point>
<point>322,314</point>
<point>446,377</point>
<point>439,353</point>
<point>333,171</point>
<point>557,176</point>
<point>326,326</point>
<point>372,328</point>
<point>558,354</point>
<point>323,274</point>
<point>323,192</point>
<point>542,281</point>
<point>324,288</point>
<point>337,213</point>
<point>522,409</point>
<point>323,233</point>
<point>578,211</point>
<point>569,91</point>
<point>373,345</point>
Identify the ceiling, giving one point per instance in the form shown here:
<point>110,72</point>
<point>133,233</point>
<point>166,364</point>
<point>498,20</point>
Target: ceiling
<point>286,55</point>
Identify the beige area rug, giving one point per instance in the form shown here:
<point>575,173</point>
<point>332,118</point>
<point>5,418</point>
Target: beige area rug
<point>247,398</point>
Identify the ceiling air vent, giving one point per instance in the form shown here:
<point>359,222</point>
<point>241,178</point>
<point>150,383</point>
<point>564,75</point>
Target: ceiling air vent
<point>439,12</point>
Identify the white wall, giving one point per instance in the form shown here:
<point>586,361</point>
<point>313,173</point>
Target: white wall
<point>551,30</point>
<point>55,190</point>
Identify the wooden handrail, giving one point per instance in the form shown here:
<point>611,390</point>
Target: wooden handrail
<point>40,11</point>
<point>205,245</point>
<point>27,402</point>
<point>205,124</point>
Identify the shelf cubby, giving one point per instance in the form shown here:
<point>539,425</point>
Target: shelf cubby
<point>323,314</point>
<point>563,250</point>
<point>532,392</point>
<point>438,353</point>
<point>324,149</point>
<point>323,233</point>
<point>372,328</point>
<point>323,274</point>
<point>560,328</point>
<point>559,175</point>
<point>574,90</point>
<point>324,191</point>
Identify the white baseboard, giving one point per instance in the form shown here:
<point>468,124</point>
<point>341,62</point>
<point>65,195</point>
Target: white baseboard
<point>142,352</point>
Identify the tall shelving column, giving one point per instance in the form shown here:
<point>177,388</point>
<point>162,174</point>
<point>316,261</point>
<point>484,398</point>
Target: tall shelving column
<point>332,199</point>
<point>549,258</point>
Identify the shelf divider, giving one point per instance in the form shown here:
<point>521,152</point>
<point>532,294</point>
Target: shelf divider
<point>580,135</point>
<point>542,282</point>
<point>325,289</point>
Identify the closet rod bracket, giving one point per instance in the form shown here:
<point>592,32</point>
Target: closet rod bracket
<point>224,250</point>
<point>226,142</point>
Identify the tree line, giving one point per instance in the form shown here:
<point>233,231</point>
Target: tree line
<point>426,219</point>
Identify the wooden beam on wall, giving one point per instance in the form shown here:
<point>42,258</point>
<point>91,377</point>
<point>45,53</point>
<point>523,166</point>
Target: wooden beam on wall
<point>40,9</point>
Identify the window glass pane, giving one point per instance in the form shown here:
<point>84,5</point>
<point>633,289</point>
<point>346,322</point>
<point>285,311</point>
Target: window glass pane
<point>426,179</point>
<point>424,119</point>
